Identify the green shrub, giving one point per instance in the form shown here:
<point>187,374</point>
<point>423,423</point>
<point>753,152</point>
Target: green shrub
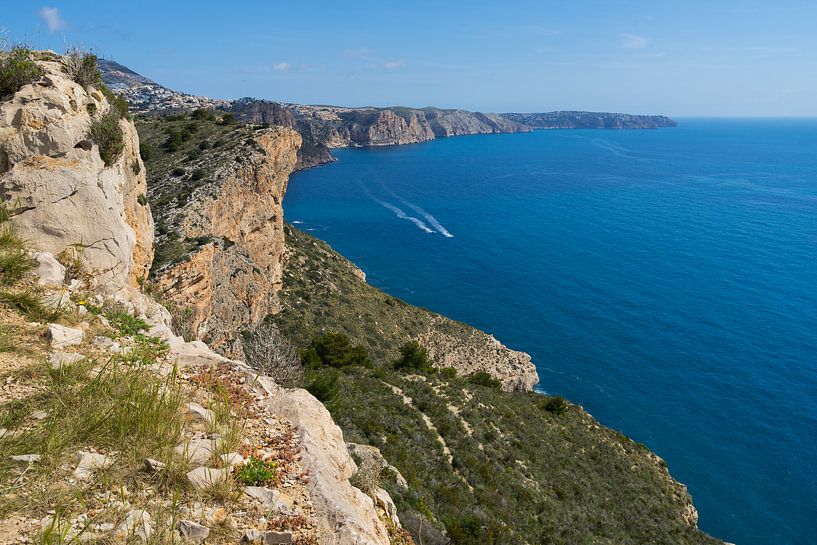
<point>117,102</point>
<point>324,384</point>
<point>448,373</point>
<point>256,472</point>
<point>482,378</point>
<point>145,151</point>
<point>82,68</point>
<point>141,199</point>
<point>17,68</point>
<point>413,357</point>
<point>108,135</point>
<point>334,350</point>
<point>227,119</point>
<point>203,115</point>
<point>552,404</point>
<point>174,142</point>
<point>124,321</point>
<point>197,175</point>
<point>136,167</point>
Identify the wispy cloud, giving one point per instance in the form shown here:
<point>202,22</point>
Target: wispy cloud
<point>633,41</point>
<point>52,18</point>
<point>281,66</point>
<point>357,53</point>
<point>391,65</point>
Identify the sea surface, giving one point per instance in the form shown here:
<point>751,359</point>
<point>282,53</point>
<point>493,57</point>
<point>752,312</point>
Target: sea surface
<point>666,280</point>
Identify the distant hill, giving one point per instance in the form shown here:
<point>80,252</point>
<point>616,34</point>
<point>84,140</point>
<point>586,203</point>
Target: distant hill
<point>590,120</point>
<point>145,95</point>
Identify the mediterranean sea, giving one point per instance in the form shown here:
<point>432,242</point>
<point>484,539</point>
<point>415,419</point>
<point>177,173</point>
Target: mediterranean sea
<point>666,280</point>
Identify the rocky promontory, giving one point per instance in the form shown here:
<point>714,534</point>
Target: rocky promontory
<point>590,120</point>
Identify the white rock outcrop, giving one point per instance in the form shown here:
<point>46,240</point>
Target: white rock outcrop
<point>61,193</point>
<point>347,515</point>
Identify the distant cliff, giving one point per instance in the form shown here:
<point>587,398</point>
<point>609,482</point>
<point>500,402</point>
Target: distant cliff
<point>326,127</point>
<point>590,120</point>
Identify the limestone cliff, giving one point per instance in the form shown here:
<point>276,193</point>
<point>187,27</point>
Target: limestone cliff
<point>61,192</point>
<point>326,127</point>
<point>227,281</point>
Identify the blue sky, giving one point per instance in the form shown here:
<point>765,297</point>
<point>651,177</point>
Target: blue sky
<point>684,58</point>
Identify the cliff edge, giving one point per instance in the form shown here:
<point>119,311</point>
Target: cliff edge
<point>142,436</point>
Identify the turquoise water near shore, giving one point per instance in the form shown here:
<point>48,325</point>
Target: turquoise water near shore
<point>665,280</point>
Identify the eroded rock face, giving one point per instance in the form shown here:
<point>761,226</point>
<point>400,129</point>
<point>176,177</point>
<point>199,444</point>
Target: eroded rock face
<point>481,352</point>
<point>347,515</point>
<point>231,285</point>
<point>61,193</point>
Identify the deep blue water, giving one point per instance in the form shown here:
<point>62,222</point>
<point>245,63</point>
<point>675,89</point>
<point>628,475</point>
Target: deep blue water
<point>665,280</point>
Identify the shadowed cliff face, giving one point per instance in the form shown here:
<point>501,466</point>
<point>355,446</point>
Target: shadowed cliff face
<point>220,222</point>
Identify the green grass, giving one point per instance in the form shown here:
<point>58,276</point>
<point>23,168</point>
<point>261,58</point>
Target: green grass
<point>14,259</point>
<point>28,303</point>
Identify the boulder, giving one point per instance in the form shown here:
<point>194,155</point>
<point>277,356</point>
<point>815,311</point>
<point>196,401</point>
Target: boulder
<point>137,525</point>
<point>198,451</point>
<point>197,413</point>
<point>89,463</point>
<point>192,532</point>
<point>58,359</point>
<point>258,537</point>
<point>26,458</point>
<point>206,477</point>
<point>346,516</point>
<point>65,196</point>
<point>266,496</point>
<point>62,337</point>
<point>50,272</point>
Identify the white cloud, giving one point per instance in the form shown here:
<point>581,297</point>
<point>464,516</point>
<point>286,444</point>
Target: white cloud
<point>631,41</point>
<point>281,66</point>
<point>394,64</point>
<point>52,18</point>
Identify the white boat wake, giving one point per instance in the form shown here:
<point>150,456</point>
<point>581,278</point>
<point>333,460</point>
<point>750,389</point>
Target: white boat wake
<point>417,209</point>
<point>397,211</point>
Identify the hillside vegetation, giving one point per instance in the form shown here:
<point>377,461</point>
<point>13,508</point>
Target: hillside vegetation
<point>483,466</point>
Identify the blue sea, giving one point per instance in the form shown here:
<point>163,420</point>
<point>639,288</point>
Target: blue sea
<point>665,280</point>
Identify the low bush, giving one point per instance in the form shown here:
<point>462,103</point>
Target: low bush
<point>17,68</point>
<point>413,357</point>
<point>145,151</point>
<point>256,472</point>
<point>552,404</point>
<point>448,373</point>
<point>108,135</point>
<point>267,351</point>
<point>334,350</point>
<point>482,378</point>
<point>81,66</point>
<point>324,384</point>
